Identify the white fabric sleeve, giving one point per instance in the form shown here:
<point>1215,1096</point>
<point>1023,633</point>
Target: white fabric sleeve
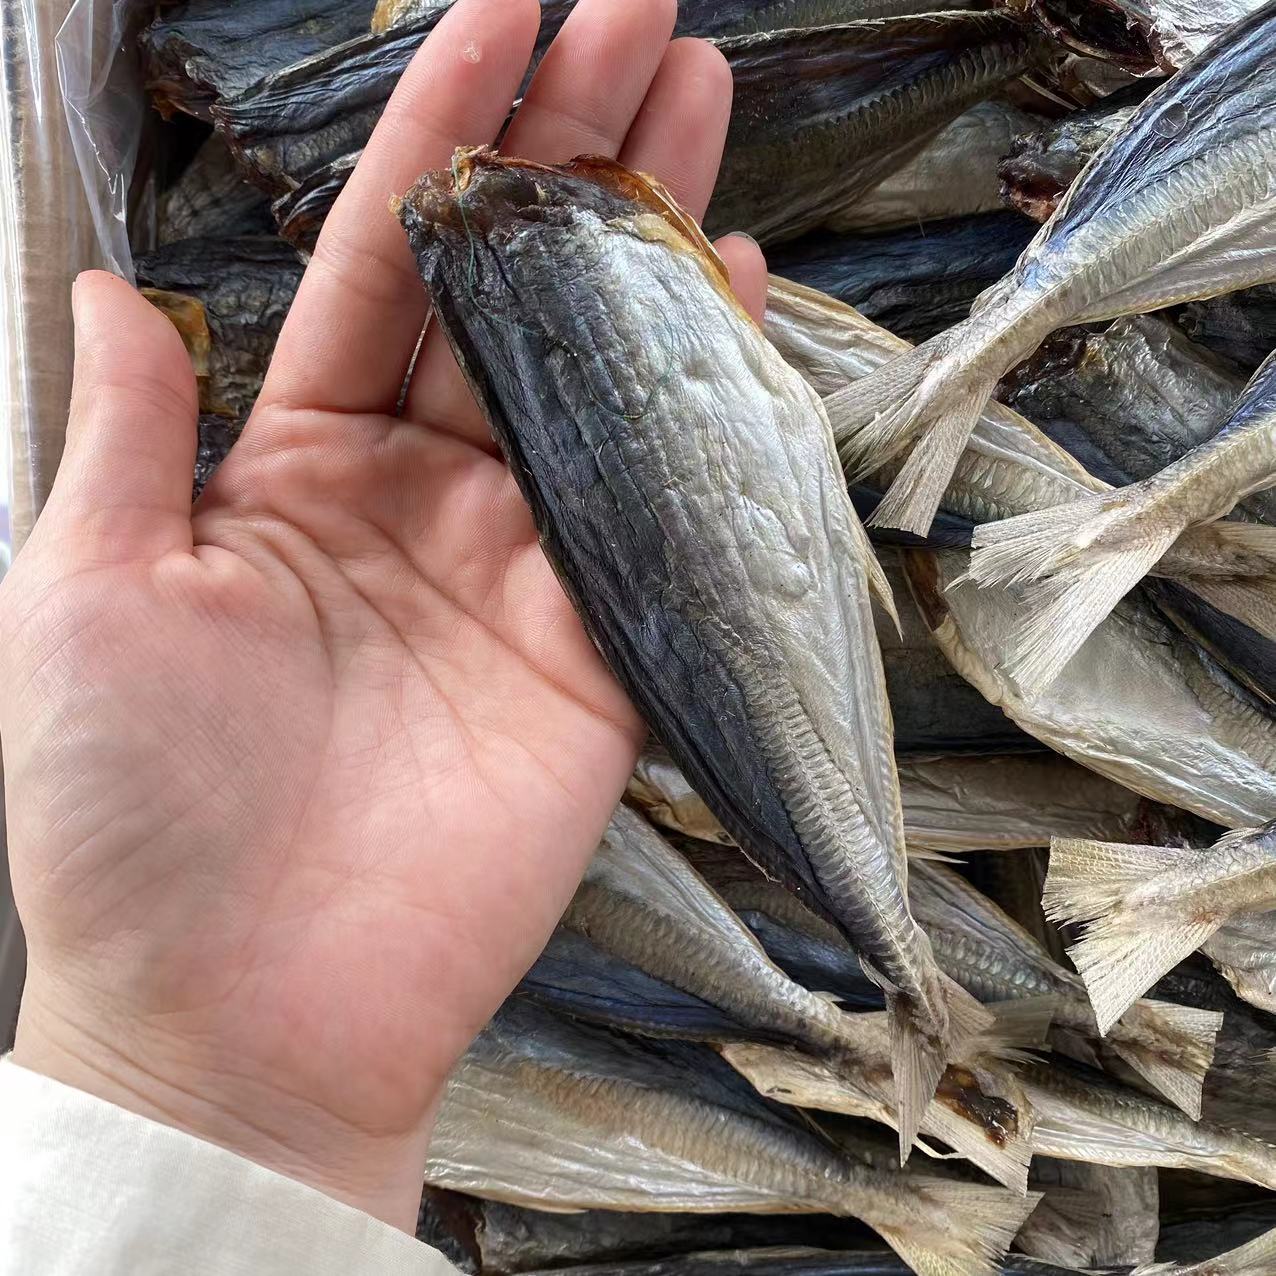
<point>87,1187</point>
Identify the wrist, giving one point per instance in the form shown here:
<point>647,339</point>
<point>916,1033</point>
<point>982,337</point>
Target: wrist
<point>232,1103</point>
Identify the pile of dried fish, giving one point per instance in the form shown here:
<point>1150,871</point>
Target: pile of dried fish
<point>807,1006</point>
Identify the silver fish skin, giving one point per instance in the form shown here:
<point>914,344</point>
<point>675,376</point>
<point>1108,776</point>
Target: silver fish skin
<point>1178,205</point>
<point>951,804</point>
<point>955,174</point>
<point>820,117</point>
<point>549,1114</point>
<point>740,551</point>
<point>1243,950</point>
<point>1009,467</point>
<point>1140,704</point>
<point>1082,557</point>
<point>1141,35</point>
<point>1083,1115</point>
<point>1146,908</point>
<point>1257,1258</point>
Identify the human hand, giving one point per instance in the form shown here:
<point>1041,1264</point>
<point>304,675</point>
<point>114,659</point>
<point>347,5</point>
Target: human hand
<point>300,783</point>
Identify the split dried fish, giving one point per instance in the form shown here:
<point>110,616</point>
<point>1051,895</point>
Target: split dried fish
<point>821,116</point>
<point>1084,556</point>
<point>1146,908</point>
<point>201,51</point>
<point>916,281</point>
<point>1140,703</point>
<point>1142,35</point>
<point>554,1115</point>
<point>685,487</point>
<point>1178,205</point>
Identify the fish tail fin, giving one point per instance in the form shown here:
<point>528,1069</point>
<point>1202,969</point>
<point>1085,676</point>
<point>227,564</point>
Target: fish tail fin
<point>1124,950</point>
<point>975,1227</point>
<point>1018,1026</point>
<point>871,417</point>
<point>1087,569</point>
<point>919,1055</point>
<point>1171,1047</point>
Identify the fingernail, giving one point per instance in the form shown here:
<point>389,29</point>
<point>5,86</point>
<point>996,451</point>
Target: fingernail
<point>744,235</point>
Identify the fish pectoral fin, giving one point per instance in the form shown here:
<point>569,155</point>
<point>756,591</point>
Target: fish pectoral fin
<point>1173,1051</point>
<point>1018,1026</point>
<point>1078,571</point>
<point>976,1227</point>
<point>1124,950</point>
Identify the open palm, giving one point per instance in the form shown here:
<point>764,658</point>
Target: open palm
<point>300,783</point>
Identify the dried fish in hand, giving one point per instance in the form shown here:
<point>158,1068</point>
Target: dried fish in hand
<point>201,51</point>
<point>1090,553</point>
<point>1140,704</point>
<point>1141,35</point>
<point>1178,205</point>
<point>554,1115</point>
<point>821,116</point>
<point>916,281</point>
<point>1146,908</point>
<point>685,486</point>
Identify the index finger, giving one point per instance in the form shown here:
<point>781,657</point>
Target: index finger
<point>355,323</point>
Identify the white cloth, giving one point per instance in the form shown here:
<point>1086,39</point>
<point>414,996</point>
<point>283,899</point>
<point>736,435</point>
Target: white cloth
<point>87,1187</point>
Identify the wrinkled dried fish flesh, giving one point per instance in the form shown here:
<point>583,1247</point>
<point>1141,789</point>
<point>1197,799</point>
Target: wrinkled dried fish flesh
<point>201,51</point>
<point>555,1115</point>
<point>1092,1215</point>
<point>1079,559</point>
<point>301,213</point>
<point>211,200</point>
<point>1140,704</point>
<point>1141,35</point>
<point>1038,169</point>
<point>1083,1115</point>
<point>1238,327</point>
<point>1178,205</point>
<point>1244,951</point>
<point>955,174</point>
<point>917,281</point>
<point>821,116</point>
<point>241,291</point>
<point>685,486</point>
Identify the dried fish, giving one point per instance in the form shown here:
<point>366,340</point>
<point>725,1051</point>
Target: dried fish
<point>1142,35</point>
<point>1092,1215</point>
<point>1239,327</point>
<point>1038,169</point>
<point>201,51</point>
<point>951,804</point>
<point>1083,1115</point>
<point>821,116</point>
<point>1257,1258</point>
<point>1225,1227</point>
<point>234,295</point>
<point>211,200</point>
<point>1244,951</point>
<point>1140,704</point>
<point>758,577</point>
<point>917,281</point>
<point>804,1262</point>
<point>955,174</point>
<point>1178,205</point>
<point>1088,554</point>
<point>550,1114</point>
<point>217,435</point>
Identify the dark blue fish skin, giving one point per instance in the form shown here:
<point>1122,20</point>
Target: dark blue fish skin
<point>575,977</point>
<point>915,282</point>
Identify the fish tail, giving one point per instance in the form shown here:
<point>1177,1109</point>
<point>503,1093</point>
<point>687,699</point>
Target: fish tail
<point>976,1227</point>
<point>1090,555</point>
<point>919,1054</point>
<point>1171,1047</point>
<point>1125,949</point>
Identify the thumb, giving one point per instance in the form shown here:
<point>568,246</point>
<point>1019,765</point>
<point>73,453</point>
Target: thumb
<point>123,490</point>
